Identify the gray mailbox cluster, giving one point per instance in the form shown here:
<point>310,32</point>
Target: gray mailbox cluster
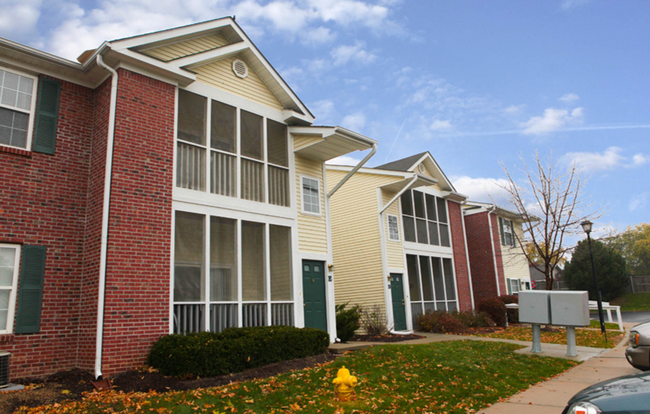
<point>566,308</point>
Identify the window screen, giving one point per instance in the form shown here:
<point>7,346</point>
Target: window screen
<point>223,132</point>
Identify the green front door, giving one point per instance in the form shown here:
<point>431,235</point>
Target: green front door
<point>313,286</point>
<point>397,293</point>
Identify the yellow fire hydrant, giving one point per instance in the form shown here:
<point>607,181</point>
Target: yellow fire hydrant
<point>344,384</point>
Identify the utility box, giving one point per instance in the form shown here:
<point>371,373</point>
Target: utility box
<point>570,308</point>
<point>535,307</point>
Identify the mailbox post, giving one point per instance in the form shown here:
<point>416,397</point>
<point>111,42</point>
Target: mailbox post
<point>570,309</point>
<point>535,308</point>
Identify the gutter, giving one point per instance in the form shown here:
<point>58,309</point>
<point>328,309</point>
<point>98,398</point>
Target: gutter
<point>101,298</point>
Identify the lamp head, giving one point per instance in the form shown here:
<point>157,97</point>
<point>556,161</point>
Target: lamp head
<point>586,226</point>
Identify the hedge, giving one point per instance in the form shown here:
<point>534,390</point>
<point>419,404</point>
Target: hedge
<point>208,354</point>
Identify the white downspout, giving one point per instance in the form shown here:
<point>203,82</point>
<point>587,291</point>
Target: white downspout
<point>352,171</point>
<point>469,270</point>
<point>106,208</point>
<point>494,253</point>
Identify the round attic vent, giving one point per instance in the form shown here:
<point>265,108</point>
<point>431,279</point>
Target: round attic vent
<point>240,68</point>
<point>421,168</point>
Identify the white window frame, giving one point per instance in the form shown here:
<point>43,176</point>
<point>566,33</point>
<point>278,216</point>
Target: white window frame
<point>517,282</point>
<point>13,288</point>
<point>32,110</point>
<point>302,195</point>
<point>508,228</point>
<point>393,232</point>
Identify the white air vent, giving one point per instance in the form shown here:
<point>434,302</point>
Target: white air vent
<point>4,369</point>
<point>421,168</point>
<point>240,68</point>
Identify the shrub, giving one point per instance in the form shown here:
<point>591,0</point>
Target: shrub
<point>347,321</point>
<point>513,314</point>
<point>441,322</point>
<point>475,319</point>
<point>208,354</point>
<point>373,321</point>
<point>495,309</point>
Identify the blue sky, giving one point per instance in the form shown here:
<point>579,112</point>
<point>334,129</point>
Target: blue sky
<point>476,83</point>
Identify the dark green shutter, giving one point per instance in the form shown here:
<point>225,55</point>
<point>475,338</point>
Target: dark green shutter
<point>503,234</point>
<point>30,290</point>
<point>47,113</point>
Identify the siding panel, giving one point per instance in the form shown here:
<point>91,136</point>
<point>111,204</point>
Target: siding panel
<point>312,230</point>
<point>187,47</point>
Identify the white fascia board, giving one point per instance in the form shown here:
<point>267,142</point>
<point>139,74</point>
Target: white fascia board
<point>292,117</point>
<point>274,74</point>
<point>204,58</point>
<point>429,157</point>
<point>161,36</point>
<point>390,173</point>
<point>326,132</point>
<point>454,196</point>
<point>181,76</point>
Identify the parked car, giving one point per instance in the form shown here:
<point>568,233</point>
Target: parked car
<point>628,394</point>
<point>638,353</point>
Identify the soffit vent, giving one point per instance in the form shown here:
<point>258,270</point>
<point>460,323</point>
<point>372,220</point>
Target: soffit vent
<point>422,168</point>
<point>240,68</point>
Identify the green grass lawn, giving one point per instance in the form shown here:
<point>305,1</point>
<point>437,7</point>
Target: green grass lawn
<point>633,302</point>
<point>452,377</point>
<point>595,323</point>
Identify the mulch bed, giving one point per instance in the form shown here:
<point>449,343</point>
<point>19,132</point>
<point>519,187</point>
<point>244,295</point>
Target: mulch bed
<point>385,338</point>
<point>70,384</point>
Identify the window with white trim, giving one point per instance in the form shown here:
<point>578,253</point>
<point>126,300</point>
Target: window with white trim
<point>9,265</point>
<point>393,227</point>
<point>249,282</point>
<point>239,147</point>
<point>514,286</point>
<point>16,108</point>
<point>310,195</point>
<point>424,218</point>
<point>507,232</point>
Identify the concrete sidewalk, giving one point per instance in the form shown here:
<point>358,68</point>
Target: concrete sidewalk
<point>547,397</point>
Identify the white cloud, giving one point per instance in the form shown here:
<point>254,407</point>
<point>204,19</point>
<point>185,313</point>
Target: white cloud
<point>317,36</point>
<point>323,110</point>
<point>572,4</point>
<point>483,189</point>
<point>639,159</point>
<point>439,125</point>
<point>639,201</point>
<point>18,18</point>
<point>552,120</point>
<point>569,98</point>
<point>343,160</point>
<point>514,109</point>
<point>356,53</point>
<point>354,122</point>
<point>595,161</point>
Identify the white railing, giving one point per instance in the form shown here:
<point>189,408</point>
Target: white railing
<point>282,314</point>
<point>252,180</point>
<point>222,316</point>
<point>223,174</point>
<point>254,314</point>
<point>188,318</point>
<point>190,172</point>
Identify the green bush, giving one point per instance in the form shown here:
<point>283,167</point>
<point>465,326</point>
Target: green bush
<point>347,321</point>
<point>475,319</point>
<point>495,309</point>
<point>513,314</point>
<point>208,354</point>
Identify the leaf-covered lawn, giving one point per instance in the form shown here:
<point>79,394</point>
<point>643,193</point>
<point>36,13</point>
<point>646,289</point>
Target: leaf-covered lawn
<point>451,377</point>
<point>584,337</point>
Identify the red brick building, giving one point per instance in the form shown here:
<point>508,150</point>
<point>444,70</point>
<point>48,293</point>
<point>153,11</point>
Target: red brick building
<point>159,185</point>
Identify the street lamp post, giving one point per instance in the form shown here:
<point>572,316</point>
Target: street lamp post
<point>586,226</point>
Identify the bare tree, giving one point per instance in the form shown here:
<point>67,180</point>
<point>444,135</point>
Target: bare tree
<point>552,205</point>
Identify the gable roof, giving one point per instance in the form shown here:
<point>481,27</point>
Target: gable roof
<point>409,164</point>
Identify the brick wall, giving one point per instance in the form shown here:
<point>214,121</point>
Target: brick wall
<point>498,255</point>
<point>460,256</point>
<point>139,250</point>
<point>481,257</point>
<point>43,202</point>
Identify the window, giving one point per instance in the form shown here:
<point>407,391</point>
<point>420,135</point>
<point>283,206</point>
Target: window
<point>393,228</point>
<point>507,232</point>
<point>310,195</point>
<point>514,286</point>
<point>258,160</point>
<point>213,300</point>
<point>16,108</point>
<point>432,284</point>
<point>9,265</point>
<point>424,218</point>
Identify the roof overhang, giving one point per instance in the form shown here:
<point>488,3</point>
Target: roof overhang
<point>331,142</point>
<point>421,181</point>
<point>454,196</point>
<point>473,207</point>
